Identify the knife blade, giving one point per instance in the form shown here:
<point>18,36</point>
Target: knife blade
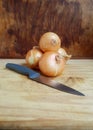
<point>42,79</point>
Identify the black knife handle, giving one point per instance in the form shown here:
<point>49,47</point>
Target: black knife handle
<point>23,70</point>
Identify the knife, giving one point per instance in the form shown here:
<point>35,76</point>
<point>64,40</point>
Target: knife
<point>42,79</point>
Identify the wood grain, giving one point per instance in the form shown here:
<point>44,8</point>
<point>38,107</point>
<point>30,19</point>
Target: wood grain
<point>22,22</point>
<point>25,104</point>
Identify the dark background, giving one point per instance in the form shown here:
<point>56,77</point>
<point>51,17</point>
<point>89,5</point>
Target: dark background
<point>22,22</point>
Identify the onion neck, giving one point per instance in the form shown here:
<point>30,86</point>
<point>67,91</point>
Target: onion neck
<point>58,58</point>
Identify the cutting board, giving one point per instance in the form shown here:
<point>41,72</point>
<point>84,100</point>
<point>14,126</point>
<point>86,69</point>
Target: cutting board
<point>26,104</point>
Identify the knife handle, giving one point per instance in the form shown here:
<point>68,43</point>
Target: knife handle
<point>23,70</point>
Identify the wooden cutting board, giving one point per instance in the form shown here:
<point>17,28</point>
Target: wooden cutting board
<point>26,104</point>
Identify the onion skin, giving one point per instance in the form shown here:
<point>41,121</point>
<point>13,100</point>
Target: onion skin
<point>63,53</point>
<point>49,42</point>
<point>51,64</point>
<point>33,56</point>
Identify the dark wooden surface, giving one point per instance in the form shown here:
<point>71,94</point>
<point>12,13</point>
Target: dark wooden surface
<point>22,22</point>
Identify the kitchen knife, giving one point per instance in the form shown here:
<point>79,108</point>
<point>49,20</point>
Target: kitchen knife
<point>42,79</point>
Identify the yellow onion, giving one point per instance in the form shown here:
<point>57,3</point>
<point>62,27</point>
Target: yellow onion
<point>33,56</point>
<point>51,64</point>
<point>49,42</point>
<point>63,53</point>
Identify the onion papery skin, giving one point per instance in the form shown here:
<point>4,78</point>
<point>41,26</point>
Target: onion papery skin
<point>49,42</point>
<point>33,56</point>
<point>51,64</point>
<point>63,53</point>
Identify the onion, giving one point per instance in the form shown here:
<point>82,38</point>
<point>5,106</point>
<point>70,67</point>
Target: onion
<point>51,64</point>
<point>63,53</point>
<point>33,56</point>
<point>49,42</point>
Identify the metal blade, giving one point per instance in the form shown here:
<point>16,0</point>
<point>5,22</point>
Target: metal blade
<point>54,84</point>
